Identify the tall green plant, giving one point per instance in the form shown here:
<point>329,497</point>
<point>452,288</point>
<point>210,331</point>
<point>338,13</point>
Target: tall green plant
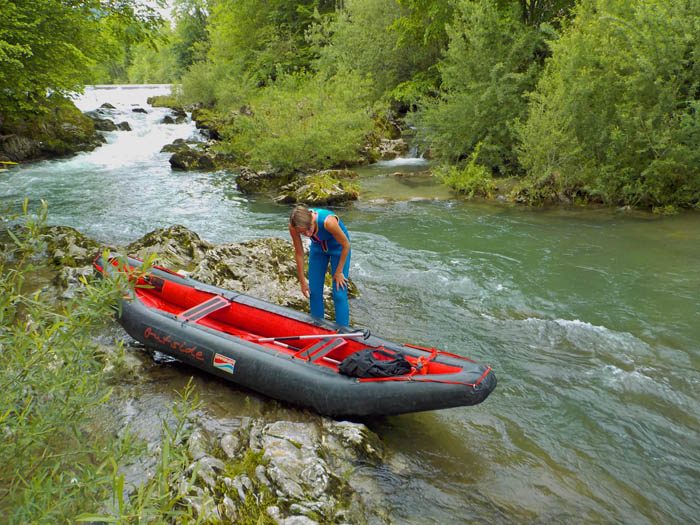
<point>493,59</point>
<point>615,117</point>
<point>49,46</point>
<point>51,388</point>
<point>304,121</point>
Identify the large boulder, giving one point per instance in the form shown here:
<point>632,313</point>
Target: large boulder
<point>263,268</point>
<point>190,159</point>
<point>326,188</point>
<point>250,181</point>
<point>60,129</point>
<point>175,248</point>
<point>287,471</point>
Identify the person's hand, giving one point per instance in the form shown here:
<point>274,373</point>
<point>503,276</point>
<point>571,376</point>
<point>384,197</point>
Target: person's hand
<point>340,281</point>
<point>305,289</point>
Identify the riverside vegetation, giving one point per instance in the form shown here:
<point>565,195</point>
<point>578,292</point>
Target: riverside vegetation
<point>68,452</point>
<point>588,101</point>
<point>54,390</point>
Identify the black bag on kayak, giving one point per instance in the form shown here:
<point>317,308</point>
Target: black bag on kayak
<point>368,363</point>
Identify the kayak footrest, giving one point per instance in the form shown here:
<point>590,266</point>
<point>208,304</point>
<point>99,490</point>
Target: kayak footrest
<point>320,349</point>
<point>203,309</point>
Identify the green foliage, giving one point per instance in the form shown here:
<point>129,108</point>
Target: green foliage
<point>375,37</point>
<point>161,498</point>
<point>492,61</point>
<point>52,390</point>
<point>152,65</point>
<point>616,112</point>
<point>49,45</point>
<point>472,180</point>
<point>303,121</point>
<point>263,39</point>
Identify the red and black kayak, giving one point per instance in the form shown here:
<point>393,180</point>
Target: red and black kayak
<point>285,354</point>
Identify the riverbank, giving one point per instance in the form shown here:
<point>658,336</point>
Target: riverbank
<point>276,467</point>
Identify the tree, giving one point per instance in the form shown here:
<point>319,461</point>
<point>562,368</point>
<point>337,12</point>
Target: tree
<point>48,46</point>
<point>615,117</point>
<point>190,41</point>
<point>492,60</point>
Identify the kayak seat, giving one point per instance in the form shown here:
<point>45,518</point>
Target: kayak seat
<point>201,310</point>
<point>319,349</point>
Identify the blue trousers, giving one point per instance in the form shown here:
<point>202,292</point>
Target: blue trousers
<point>318,265</point>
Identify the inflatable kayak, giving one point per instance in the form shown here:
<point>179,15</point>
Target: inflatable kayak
<point>285,354</point>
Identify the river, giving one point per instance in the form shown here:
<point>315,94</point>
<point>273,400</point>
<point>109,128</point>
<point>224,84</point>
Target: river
<point>590,318</point>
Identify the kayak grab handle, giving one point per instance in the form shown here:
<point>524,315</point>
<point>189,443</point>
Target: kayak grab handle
<point>364,335</point>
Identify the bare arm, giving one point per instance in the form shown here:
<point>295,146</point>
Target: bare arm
<point>299,258</point>
<point>332,225</point>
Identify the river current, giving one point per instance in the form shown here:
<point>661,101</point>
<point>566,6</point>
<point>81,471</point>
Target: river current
<point>590,319</point>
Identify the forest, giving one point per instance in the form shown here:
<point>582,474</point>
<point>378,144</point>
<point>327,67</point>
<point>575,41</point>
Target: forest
<point>594,101</point>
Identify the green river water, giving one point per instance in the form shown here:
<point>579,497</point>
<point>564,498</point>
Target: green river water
<point>590,319</point>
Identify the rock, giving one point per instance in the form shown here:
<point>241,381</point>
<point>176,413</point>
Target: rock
<point>264,268</point>
<point>175,247</point>
<point>321,189</point>
<point>18,148</point>
<point>230,444</point>
<point>191,160</point>
<point>124,126</point>
<point>58,128</point>
<point>249,181</point>
<point>139,110</point>
<point>391,149</point>
<point>68,247</point>
<point>107,105</point>
<point>175,146</point>
<point>104,124</point>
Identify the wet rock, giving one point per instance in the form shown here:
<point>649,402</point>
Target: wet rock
<point>57,129</point>
<point>208,123</point>
<point>139,110</point>
<point>390,149</point>
<point>263,268</point>
<point>190,159</point>
<point>124,126</point>
<point>250,181</point>
<point>104,124</point>
<point>175,247</point>
<point>107,105</point>
<point>175,146</point>
<point>329,187</point>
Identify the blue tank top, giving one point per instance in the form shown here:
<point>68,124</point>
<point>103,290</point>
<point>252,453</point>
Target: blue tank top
<point>323,238</point>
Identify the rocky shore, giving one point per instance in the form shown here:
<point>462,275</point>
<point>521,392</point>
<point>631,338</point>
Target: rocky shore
<point>286,466</point>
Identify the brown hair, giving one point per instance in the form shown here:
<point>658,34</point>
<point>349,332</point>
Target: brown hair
<point>301,216</point>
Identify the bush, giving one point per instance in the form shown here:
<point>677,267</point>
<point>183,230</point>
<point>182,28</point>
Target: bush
<point>302,122</point>
<point>472,180</point>
<point>54,466</point>
<point>493,59</point>
<point>616,112</point>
